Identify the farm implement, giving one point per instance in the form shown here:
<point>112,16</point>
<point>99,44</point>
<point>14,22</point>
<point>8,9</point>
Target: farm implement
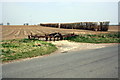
<point>51,37</point>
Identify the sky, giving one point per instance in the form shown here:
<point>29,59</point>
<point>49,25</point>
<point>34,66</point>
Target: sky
<point>35,12</point>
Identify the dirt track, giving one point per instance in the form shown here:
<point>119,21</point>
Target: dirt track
<point>18,32</point>
<point>65,46</point>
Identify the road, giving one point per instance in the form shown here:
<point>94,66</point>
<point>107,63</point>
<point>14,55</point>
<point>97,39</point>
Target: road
<point>97,63</point>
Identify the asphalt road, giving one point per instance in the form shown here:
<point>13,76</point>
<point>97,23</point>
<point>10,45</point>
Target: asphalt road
<point>97,63</point>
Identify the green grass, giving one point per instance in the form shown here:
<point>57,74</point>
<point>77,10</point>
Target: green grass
<point>97,38</point>
<point>24,48</point>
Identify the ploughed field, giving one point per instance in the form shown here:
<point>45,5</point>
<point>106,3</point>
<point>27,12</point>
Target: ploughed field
<point>20,31</point>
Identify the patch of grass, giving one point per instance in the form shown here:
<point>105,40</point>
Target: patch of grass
<point>24,48</point>
<point>97,38</point>
<point>7,45</point>
<point>7,51</point>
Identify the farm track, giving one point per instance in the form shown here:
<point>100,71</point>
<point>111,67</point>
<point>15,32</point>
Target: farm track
<point>18,32</point>
<point>11,35</point>
<point>21,32</point>
<point>25,33</point>
<point>33,32</point>
<point>5,30</point>
<point>8,33</point>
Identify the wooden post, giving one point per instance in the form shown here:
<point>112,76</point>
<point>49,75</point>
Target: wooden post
<point>29,37</point>
<point>46,37</point>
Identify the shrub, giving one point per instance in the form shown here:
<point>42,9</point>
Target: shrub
<point>97,38</point>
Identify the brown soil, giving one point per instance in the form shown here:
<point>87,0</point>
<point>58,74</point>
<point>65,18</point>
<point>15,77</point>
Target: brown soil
<point>18,32</point>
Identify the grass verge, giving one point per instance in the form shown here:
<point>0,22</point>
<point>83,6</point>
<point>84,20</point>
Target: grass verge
<point>97,38</point>
<point>24,48</point>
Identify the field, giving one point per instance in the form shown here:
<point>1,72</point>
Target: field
<point>20,31</point>
<point>15,46</point>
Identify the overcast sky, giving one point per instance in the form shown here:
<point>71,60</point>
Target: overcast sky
<point>18,13</point>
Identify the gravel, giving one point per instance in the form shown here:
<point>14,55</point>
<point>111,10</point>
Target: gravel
<point>65,46</point>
